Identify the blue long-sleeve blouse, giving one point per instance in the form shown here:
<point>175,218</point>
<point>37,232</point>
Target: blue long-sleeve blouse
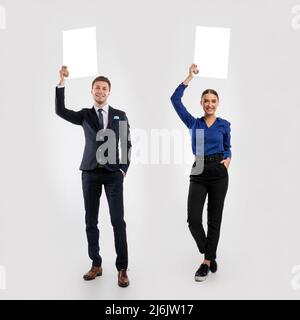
<point>216,137</point>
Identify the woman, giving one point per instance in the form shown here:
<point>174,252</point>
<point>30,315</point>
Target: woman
<point>213,180</point>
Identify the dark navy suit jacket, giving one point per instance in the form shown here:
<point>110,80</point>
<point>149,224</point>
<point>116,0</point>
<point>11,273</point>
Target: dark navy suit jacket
<point>88,119</point>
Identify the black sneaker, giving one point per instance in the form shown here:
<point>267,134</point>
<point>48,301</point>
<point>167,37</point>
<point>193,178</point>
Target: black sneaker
<point>202,272</point>
<point>213,266</point>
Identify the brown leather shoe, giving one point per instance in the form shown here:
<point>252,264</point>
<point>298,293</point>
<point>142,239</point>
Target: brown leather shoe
<point>123,280</point>
<point>93,273</point>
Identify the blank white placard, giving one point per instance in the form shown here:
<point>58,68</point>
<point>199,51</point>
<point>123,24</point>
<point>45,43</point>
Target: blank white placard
<point>2,18</point>
<point>212,51</point>
<point>80,52</point>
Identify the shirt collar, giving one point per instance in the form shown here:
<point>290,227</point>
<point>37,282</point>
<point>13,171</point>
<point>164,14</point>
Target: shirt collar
<point>217,118</point>
<point>104,108</point>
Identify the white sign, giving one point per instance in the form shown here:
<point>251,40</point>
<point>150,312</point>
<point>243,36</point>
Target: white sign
<point>80,52</point>
<point>212,51</point>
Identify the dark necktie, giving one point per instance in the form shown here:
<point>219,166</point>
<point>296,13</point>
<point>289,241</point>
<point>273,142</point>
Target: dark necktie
<point>100,116</point>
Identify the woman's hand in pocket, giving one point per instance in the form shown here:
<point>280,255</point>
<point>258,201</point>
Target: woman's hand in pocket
<point>226,162</point>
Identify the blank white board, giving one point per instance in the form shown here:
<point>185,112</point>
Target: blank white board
<point>212,51</point>
<point>80,52</point>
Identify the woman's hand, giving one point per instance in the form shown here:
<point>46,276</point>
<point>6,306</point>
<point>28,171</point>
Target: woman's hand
<point>226,162</point>
<point>192,71</point>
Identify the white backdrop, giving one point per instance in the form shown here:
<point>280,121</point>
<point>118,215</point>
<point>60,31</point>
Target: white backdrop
<point>145,48</point>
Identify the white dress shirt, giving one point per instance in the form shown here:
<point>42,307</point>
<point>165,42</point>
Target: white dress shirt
<point>104,113</point>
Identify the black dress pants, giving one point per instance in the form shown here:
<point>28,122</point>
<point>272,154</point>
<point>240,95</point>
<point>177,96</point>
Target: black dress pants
<point>92,182</point>
<point>211,183</point>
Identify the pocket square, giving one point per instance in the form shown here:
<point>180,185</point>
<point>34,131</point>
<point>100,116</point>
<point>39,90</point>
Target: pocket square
<point>116,118</point>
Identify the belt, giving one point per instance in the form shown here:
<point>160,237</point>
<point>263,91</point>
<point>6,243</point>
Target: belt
<point>212,157</point>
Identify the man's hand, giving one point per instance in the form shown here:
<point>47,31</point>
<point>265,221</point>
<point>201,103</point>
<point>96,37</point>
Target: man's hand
<point>123,173</point>
<point>64,73</point>
<point>226,162</point>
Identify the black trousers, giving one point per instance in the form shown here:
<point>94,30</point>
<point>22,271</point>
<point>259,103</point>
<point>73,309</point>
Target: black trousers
<point>211,183</point>
<point>92,182</point>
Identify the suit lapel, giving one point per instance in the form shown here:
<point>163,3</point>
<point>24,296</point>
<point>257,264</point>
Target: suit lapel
<point>110,117</point>
<point>94,119</point>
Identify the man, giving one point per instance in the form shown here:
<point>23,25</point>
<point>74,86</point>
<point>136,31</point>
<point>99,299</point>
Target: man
<point>101,166</point>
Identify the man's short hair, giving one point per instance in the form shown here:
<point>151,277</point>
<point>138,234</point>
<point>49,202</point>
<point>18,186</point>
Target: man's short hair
<point>102,78</point>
